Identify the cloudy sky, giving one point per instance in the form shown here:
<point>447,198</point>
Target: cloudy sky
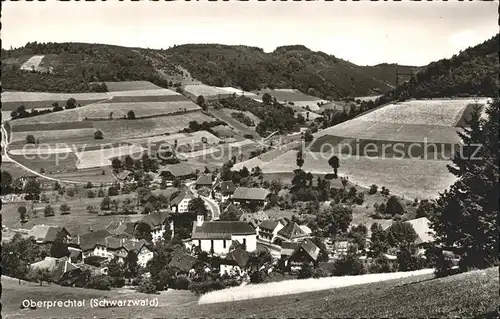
<point>366,33</point>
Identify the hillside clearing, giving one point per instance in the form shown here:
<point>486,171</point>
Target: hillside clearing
<point>50,97</point>
<point>205,90</point>
<point>62,136</point>
<point>102,157</point>
<point>153,92</point>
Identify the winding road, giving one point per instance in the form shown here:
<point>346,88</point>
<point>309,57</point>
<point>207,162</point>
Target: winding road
<point>212,204</point>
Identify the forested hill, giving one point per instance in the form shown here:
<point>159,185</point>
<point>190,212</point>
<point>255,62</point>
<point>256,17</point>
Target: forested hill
<point>472,72</point>
<point>70,67</point>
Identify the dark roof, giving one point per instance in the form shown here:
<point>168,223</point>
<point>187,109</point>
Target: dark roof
<point>89,240</point>
<point>182,261</point>
<point>179,197</point>
<point>221,230</point>
<point>179,170</point>
<point>268,224</point>
<point>227,187</point>
<point>119,227</point>
<point>205,179</point>
<point>309,248</point>
<point>292,231</point>
<point>250,193</point>
<point>135,246</point>
<point>289,245</point>
<point>63,268</point>
<point>155,219</point>
<point>240,256</point>
<point>254,219</point>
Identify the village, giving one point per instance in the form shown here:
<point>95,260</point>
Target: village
<point>217,233</point>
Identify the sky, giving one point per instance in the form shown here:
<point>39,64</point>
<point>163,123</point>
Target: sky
<point>365,33</point>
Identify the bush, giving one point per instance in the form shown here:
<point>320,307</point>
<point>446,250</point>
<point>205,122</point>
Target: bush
<point>131,115</point>
<point>70,192</point>
<point>99,282</point>
<point>360,198</point>
<point>98,135</point>
<point>118,282</point>
<point>257,277</point>
<point>306,271</point>
<point>30,139</point>
<point>91,194</point>
<point>373,189</point>
<point>182,283</point>
<point>385,191</point>
<point>147,286</point>
<point>201,288</point>
<point>394,206</point>
<point>112,191</point>
<point>136,281</point>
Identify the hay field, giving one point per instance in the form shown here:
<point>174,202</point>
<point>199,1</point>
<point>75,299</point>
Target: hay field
<point>231,90</point>
<point>51,97</point>
<point>50,136</point>
<point>93,175</point>
<point>157,139</point>
<point>292,95</point>
<point>153,92</point>
<point>33,63</point>
<point>102,157</point>
<point>50,163</point>
<point>131,86</point>
<point>18,126</point>
<point>426,112</point>
<point>296,286</point>
<point>126,129</point>
<point>367,98</point>
<point>406,177</point>
<point>205,90</point>
<point>148,98</point>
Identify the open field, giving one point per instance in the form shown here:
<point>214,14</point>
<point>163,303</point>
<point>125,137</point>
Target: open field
<point>131,86</point>
<point>289,95</point>
<point>51,97</point>
<point>232,90</point>
<point>33,63</point>
<point>102,157</point>
<point>361,129</point>
<point>403,177</point>
<point>154,92</point>
<point>468,295</point>
<point>14,169</point>
<point>254,118</point>
<point>205,90</point>
<point>310,115</point>
<point>426,112</point>
<point>148,98</point>
<point>240,127</point>
<point>19,126</point>
<point>50,163</point>
<point>47,136</point>
<point>93,175</point>
<point>367,98</point>
<point>125,129</point>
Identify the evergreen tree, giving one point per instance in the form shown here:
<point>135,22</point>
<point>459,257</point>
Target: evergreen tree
<point>466,214</point>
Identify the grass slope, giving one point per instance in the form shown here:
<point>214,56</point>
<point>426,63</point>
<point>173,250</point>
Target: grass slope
<point>473,294</point>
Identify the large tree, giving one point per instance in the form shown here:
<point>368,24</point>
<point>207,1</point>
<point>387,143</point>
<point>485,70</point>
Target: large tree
<point>197,206</point>
<point>466,214</point>
<point>334,163</point>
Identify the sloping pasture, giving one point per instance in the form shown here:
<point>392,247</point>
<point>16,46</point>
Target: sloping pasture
<point>131,86</point>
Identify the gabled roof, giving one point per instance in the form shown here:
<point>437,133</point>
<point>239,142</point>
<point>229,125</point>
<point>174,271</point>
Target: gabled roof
<point>181,196</point>
<point>227,187</point>
<point>205,179</point>
<point>423,230</point>
<point>306,229</point>
<point>46,233</point>
<point>269,225</point>
<point>63,268</point>
<point>123,174</point>
<point>89,240</point>
<point>155,219</point>
<point>292,231</point>
<point>250,193</point>
<point>309,248</point>
<point>135,246</point>
<point>221,230</point>
<point>49,263</point>
<point>240,256</point>
<point>179,170</point>
<point>119,227</point>
<point>182,261</point>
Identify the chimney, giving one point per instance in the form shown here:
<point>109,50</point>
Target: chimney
<point>199,220</point>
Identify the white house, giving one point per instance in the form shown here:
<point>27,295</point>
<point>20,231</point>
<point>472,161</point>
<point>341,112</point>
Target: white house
<point>218,236</point>
<point>268,230</point>
<point>180,203</point>
<point>156,222</point>
<point>143,252</point>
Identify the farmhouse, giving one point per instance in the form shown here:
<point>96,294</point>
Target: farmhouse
<point>268,230</point>
<point>235,263</point>
<point>217,236</point>
<point>204,181</point>
<point>179,171</point>
<point>60,268</point>
<point>91,244</point>
<point>141,249</point>
<point>45,234</point>
<point>179,204</point>
<point>306,252</point>
<point>125,175</point>
<point>288,247</point>
<point>425,234</point>
<point>119,227</point>
<point>292,232</point>
<point>183,262</point>
<point>250,196</point>
<point>226,189</point>
<point>156,221</point>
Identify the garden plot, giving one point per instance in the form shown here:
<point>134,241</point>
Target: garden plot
<point>131,86</point>
<point>427,112</point>
<point>250,115</point>
<point>407,177</point>
<point>102,157</point>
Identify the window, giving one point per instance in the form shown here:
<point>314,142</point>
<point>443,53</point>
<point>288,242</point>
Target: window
<point>211,244</point>
<point>245,242</point>
<point>224,242</point>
